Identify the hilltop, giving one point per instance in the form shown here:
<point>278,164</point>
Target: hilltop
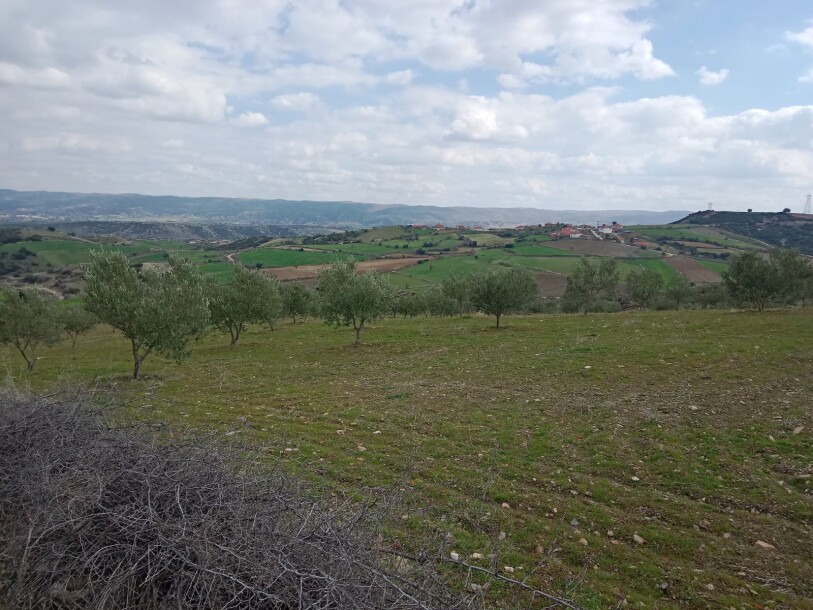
<point>778,229</point>
<point>44,206</point>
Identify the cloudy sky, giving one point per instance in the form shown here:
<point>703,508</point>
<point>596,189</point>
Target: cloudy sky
<point>580,104</point>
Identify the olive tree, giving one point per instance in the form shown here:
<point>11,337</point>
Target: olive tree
<point>348,298</point>
<point>795,274</point>
<point>157,310</point>
<point>678,290</point>
<point>502,290</point>
<point>297,301</point>
<point>251,297</point>
<point>75,320</point>
<point>644,285</point>
<point>751,278</point>
<point>588,282</point>
<point>28,320</point>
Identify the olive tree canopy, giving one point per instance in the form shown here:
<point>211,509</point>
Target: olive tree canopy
<point>157,310</point>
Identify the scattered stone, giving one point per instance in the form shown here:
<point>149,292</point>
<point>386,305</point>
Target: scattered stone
<point>771,438</point>
<point>694,407</point>
<point>506,505</point>
<point>710,587</point>
<point>588,367</point>
<point>726,535</point>
<point>379,432</point>
<point>454,556</point>
<point>361,448</point>
<point>636,479</point>
<point>574,522</point>
<point>539,549</point>
<point>663,586</point>
<point>583,541</point>
<point>502,536</point>
<point>508,569</point>
<point>611,533</point>
<point>798,429</point>
<point>476,556</point>
<point>765,545</point>
<point>638,539</point>
<point>339,431</point>
<point>475,588</point>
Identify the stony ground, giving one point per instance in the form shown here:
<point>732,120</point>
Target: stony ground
<point>657,460</point>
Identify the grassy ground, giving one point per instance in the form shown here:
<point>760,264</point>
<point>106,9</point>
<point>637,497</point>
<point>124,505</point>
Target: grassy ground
<point>551,443</point>
<point>278,257</point>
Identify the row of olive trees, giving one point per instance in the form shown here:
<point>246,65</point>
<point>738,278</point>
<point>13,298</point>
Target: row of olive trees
<point>31,318</point>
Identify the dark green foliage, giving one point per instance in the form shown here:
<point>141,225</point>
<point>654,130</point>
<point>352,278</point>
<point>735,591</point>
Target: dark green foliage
<point>28,320</point>
<point>347,298</point>
<point>75,320</point>
<point>297,301</point>
<point>156,310</point>
<point>750,278</point>
<point>589,283</point>
<point>644,285</point>
<point>502,290</point>
<point>250,298</point>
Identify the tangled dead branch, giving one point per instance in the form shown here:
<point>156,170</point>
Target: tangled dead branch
<point>94,517</point>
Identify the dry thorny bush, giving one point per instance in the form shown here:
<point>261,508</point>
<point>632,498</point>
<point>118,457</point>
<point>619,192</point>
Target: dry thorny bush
<point>93,516</point>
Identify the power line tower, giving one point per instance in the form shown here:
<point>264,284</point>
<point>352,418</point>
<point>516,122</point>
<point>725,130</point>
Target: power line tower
<point>807,205</point>
<point>710,206</point>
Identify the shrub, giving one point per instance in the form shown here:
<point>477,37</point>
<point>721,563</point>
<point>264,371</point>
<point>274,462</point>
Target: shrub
<point>92,517</point>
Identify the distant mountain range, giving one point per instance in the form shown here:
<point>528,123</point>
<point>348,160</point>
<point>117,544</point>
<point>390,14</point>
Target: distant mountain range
<point>45,206</point>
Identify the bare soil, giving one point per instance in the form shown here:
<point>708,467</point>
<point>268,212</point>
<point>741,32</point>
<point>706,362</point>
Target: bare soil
<point>694,271</point>
<point>383,265</point>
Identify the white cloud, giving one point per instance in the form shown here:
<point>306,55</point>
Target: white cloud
<point>296,101</point>
<point>48,77</point>
<point>805,37</point>
<point>401,78</point>
<point>710,77</point>
<point>250,119</point>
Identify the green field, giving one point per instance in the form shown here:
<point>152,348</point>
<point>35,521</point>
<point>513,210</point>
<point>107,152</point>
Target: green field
<point>277,257</point>
<point>358,250</point>
<point>550,443</point>
<point>535,250</point>
<point>693,233</point>
<point>715,266</point>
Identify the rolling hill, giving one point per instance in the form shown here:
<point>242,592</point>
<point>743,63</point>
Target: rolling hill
<point>43,206</point>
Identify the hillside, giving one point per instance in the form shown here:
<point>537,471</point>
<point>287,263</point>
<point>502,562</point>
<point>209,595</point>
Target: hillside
<point>779,229</point>
<point>27,206</point>
<point>547,446</point>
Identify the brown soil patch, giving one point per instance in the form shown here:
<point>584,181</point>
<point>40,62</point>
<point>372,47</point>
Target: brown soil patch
<point>593,247</point>
<point>305,272</point>
<point>694,271</point>
<point>551,284</point>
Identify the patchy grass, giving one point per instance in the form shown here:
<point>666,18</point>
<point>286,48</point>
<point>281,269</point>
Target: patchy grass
<point>715,266</point>
<point>710,411</point>
<point>281,257</point>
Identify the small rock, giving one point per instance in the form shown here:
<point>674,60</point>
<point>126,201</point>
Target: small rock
<point>361,448</point>
<point>710,587</point>
<point>508,569</point>
<point>502,536</point>
<point>475,588</point>
<point>726,535</point>
<point>539,550</point>
<point>379,432</point>
<point>636,479</point>
<point>798,429</point>
<point>583,541</point>
<point>506,505</point>
<point>574,522</point>
<point>476,556</point>
<point>694,407</point>
<point>339,431</point>
<point>588,367</point>
<point>638,539</point>
<point>454,556</point>
<point>771,438</point>
<point>611,533</point>
<point>765,545</point>
<point>663,586</point>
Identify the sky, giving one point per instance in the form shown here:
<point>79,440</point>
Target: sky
<point>556,104</point>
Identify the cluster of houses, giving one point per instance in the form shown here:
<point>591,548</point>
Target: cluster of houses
<point>613,231</point>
